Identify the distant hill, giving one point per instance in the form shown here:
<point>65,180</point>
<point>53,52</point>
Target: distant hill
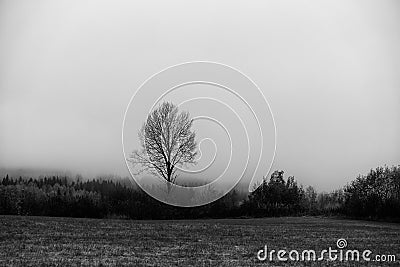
<point>37,173</point>
<point>34,172</point>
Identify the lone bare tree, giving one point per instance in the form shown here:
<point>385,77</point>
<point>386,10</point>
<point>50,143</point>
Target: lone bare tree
<point>167,141</point>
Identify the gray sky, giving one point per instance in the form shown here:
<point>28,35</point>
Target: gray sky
<point>330,72</point>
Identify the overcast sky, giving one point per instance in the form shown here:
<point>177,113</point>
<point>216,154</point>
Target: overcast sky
<point>330,71</point>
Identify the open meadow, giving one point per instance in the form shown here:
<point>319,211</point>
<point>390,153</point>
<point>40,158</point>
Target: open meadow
<point>38,241</point>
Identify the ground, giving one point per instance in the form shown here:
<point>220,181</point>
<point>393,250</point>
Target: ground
<point>38,241</point>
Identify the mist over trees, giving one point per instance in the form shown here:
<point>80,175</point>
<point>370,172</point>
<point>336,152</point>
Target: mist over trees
<point>375,195</point>
<point>66,197</point>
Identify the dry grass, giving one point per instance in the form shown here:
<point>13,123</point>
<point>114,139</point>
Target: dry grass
<point>38,241</point>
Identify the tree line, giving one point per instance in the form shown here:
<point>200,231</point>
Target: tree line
<point>372,196</point>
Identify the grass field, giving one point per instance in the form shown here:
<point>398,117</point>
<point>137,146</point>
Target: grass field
<point>38,241</point>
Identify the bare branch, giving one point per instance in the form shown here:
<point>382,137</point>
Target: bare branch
<point>166,141</point>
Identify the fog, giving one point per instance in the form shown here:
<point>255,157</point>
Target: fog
<point>330,72</point>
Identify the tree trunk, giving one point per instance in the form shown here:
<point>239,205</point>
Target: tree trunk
<point>169,187</point>
<point>169,173</point>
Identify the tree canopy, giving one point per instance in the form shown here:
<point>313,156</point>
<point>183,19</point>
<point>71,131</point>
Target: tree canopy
<point>167,141</point>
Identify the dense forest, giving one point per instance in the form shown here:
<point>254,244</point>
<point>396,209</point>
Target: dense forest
<point>372,196</point>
